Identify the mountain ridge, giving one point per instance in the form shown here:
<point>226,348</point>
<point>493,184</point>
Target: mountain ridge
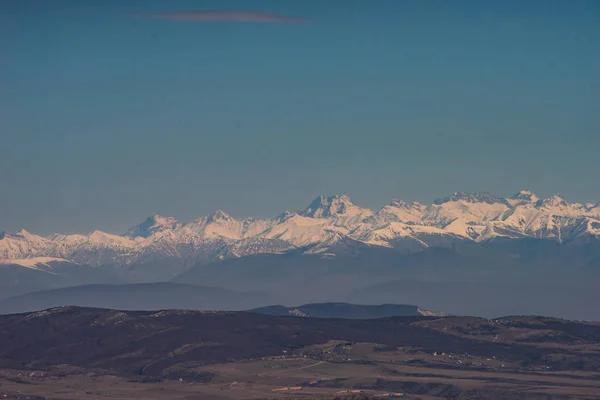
<point>325,223</point>
<point>346,310</point>
<point>139,296</point>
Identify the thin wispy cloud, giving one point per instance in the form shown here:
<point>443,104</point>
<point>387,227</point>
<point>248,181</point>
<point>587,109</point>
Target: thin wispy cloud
<point>224,16</point>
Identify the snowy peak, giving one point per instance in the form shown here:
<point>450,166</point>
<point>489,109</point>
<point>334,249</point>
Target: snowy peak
<point>460,211</point>
<point>285,216</point>
<point>554,201</point>
<point>325,207</point>
<point>22,234</point>
<point>593,209</point>
<point>400,211</point>
<point>152,225</point>
<point>21,244</point>
<point>525,195</point>
<point>107,239</point>
<point>221,225</point>
<point>327,225</point>
<point>415,205</point>
<point>338,205</point>
<point>480,197</point>
<point>218,216</point>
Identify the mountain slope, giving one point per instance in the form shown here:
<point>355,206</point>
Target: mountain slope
<point>150,296</point>
<point>41,273</point>
<point>487,299</point>
<point>174,343</point>
<point>342,310</point>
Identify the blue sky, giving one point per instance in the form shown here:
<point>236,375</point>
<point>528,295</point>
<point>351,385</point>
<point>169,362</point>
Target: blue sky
<point>114,110</point>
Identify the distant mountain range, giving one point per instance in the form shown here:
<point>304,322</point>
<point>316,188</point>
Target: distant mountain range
<point>141,296</point>
<point>165,247</point>
<point>459,251</point>
<point>347,310</point>
<point>168,295</point>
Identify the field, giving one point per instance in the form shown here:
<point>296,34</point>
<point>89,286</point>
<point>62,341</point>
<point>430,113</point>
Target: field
<point>408,357</point>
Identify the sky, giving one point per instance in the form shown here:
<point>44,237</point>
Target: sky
<point>114,110</point>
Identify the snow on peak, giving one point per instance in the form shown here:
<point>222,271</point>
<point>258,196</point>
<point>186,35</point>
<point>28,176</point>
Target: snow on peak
<point>480,197</point>
<point>104,239</point>
<point>219,215</point>
<point>21,244</point>
<point>38,263</point>
<point>400,211</point>
<point>398,203</point>
<point>25,234</point>
<point>152,225</point>
<point>324,207</point>
<point>525,195</point>
<point>338,205</point>
<point>220,225</point>
<point>470,216</point>
<point>593,209</point>
<point>403,204</point>
<point>285,215</point>
<point>554,201</point>
<point>461,212</point>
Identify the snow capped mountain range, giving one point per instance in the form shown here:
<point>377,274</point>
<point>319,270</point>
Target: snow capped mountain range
<point>324,224</point>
